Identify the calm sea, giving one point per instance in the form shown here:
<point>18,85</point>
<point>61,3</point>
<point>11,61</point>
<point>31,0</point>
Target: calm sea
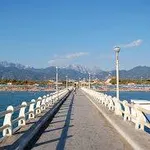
<point>131,95</point>
<point>16,98</point>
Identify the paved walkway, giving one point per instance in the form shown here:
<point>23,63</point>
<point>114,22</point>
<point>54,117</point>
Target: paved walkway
<point>79,126</point>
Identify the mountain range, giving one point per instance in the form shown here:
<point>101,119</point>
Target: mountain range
<point>21,72</point>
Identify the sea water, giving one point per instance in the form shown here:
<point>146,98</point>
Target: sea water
<point>124,95</point>
<point>16,98</point>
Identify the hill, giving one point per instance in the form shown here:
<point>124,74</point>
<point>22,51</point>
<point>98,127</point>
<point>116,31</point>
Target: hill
<point>20,72</point>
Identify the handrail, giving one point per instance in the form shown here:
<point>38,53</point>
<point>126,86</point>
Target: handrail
<point>3,113</point>
<point>132,112</point>
<point>17,119</point>
<point>3,127</point>
<point>144,110</point>
<point>34,107</point>
<point>146,117</point>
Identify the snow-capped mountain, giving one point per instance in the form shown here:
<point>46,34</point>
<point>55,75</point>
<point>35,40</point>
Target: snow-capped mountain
<point>16,65</point>
<point>7,64</point>
<point>20,72</point>
<point>79,68</point>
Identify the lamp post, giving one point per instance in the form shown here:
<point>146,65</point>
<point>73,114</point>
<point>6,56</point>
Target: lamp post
<point>117,50</point>
<point>56,79</point>
<point>66,81</point>
<point>89,80</point>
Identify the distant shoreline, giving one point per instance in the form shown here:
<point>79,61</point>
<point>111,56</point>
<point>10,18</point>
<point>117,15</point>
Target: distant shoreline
<point>38,89</point>
<point>125,90</point>
<point>25,88</point>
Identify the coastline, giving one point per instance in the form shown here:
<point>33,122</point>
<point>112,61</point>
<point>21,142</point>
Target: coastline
<point>37,89</point>
<point>24,88</point>
<point>33,88</point>
<point>124,90</point>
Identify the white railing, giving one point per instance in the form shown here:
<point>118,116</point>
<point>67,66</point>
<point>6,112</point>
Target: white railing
<point>129,112</point>
<point>28,111</point>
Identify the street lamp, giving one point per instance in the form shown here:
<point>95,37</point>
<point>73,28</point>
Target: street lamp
<point>117,50</point>
<point>66,81</point>
<point>56,79</point>
<point>89,80</point>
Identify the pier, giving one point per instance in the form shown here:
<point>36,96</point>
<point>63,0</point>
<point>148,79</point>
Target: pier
<point>74,75</point>
<point>84,119</point>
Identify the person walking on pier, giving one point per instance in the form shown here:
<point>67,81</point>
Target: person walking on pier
<point>74,89</point>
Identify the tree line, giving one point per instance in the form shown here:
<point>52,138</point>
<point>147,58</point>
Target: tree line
<point>22,82</point>
<point>30,82</point>
<point>128,81</point>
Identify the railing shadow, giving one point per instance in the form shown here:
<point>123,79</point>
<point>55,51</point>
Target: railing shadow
<point>57,129</point>
<point>64,134</point>
<point>63,138</point>
<point>51,141</point>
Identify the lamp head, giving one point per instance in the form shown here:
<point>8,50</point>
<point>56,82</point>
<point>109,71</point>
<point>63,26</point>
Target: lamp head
<point>117,49</point>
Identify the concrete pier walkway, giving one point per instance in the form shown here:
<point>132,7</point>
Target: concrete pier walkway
<point>79,126</point>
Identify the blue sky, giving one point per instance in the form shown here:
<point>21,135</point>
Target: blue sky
<point>41,33</point>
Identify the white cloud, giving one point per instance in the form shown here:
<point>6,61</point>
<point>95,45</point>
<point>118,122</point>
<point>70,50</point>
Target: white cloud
<point>61,60</point>
<point>75,55</point>
<point>135,43</point>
